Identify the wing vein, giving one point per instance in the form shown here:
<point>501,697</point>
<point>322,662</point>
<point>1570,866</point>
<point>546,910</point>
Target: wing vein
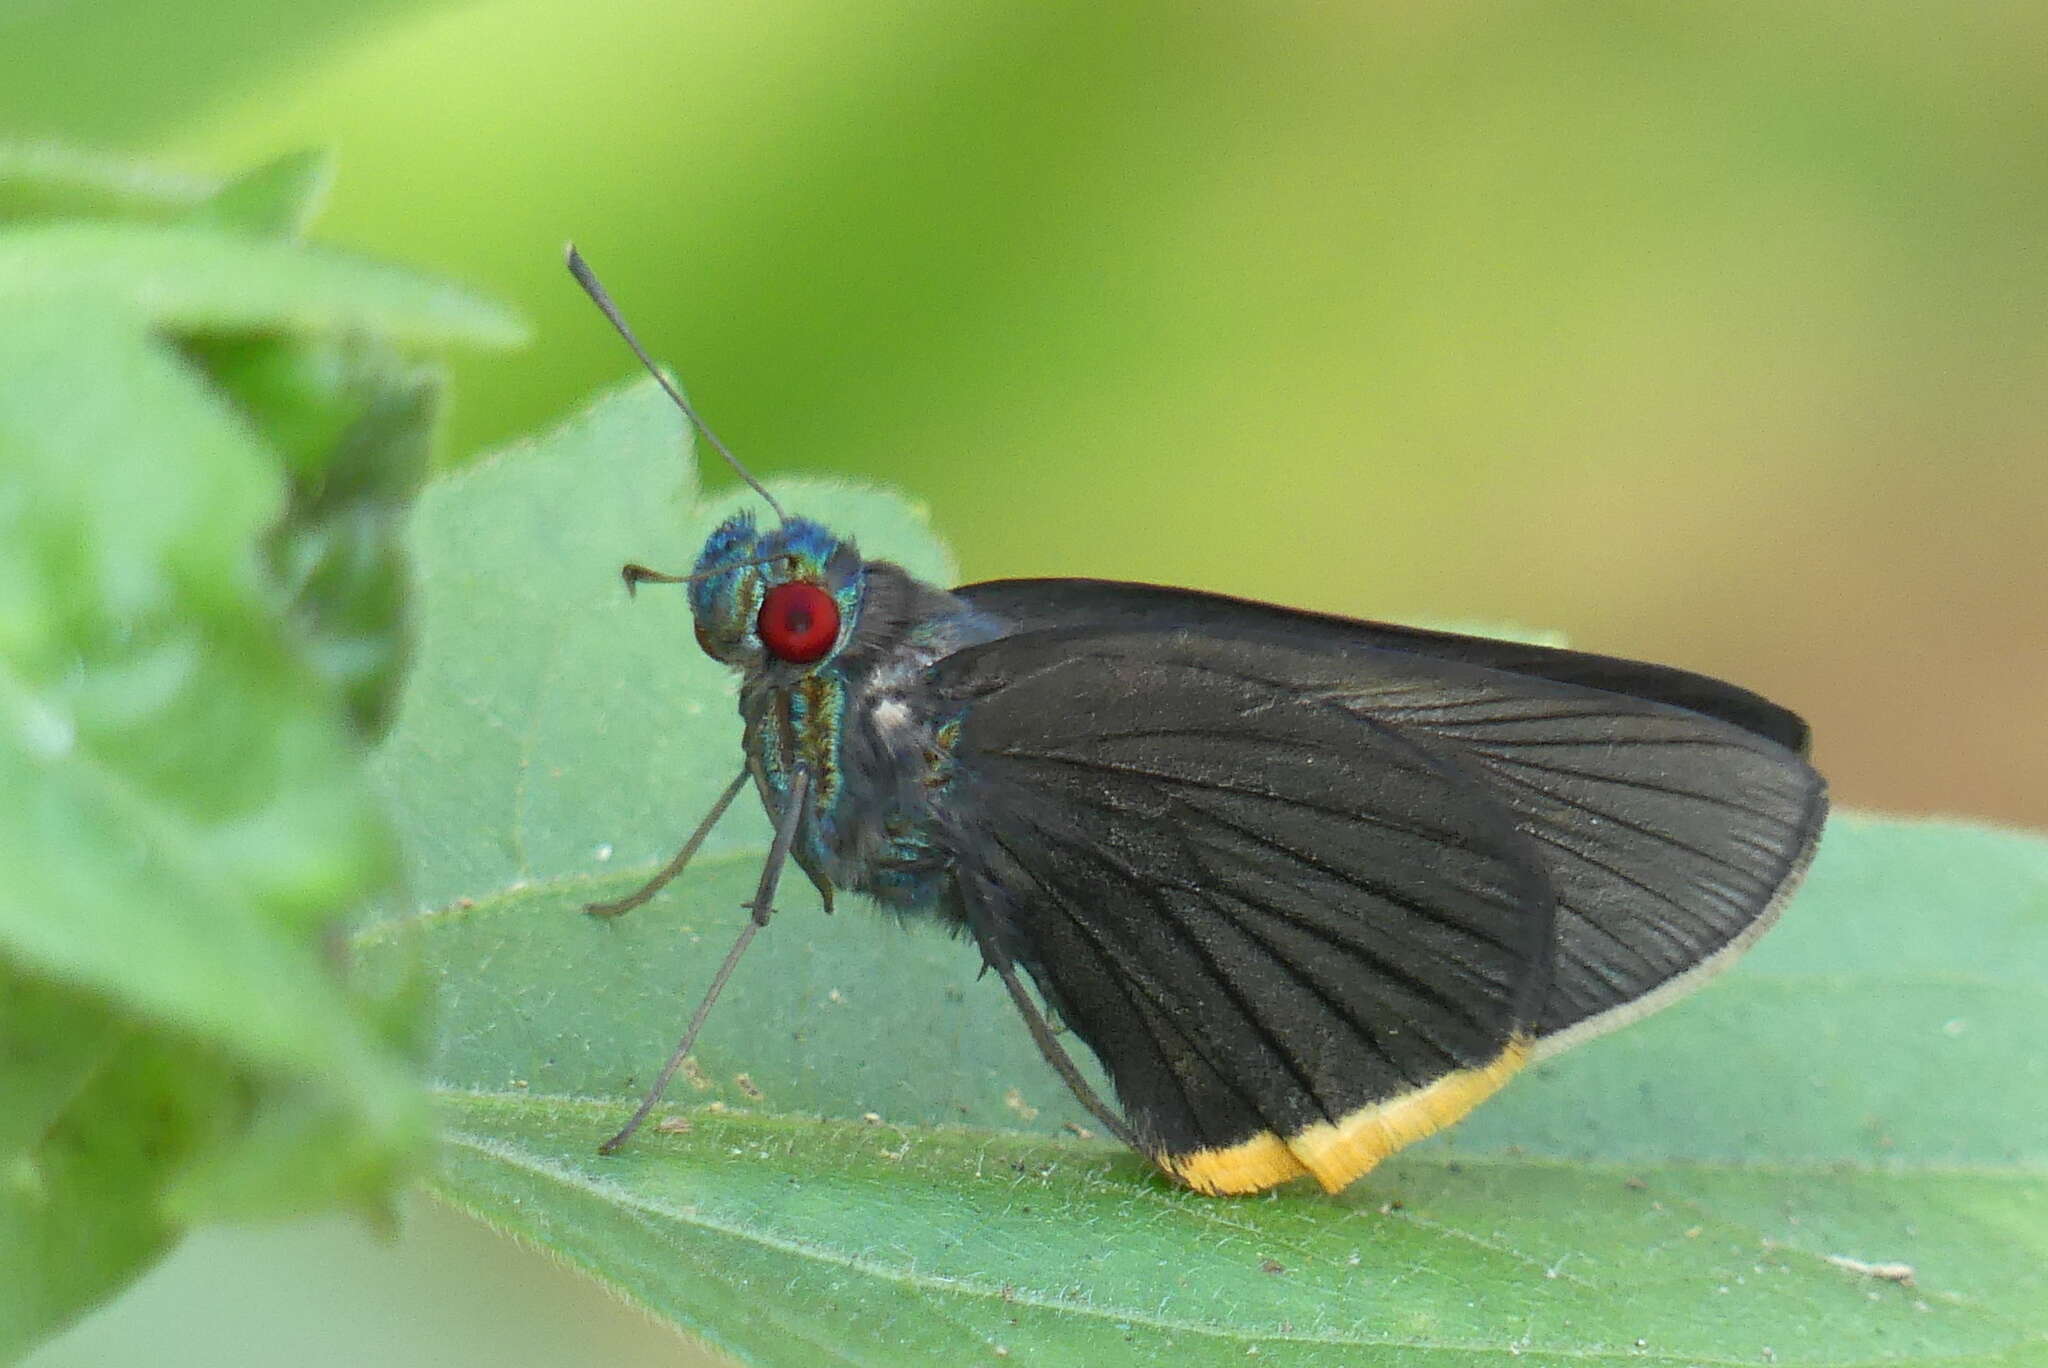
<point>1188,781</point>
<point>1711,857</point>
<point>1245,1006</point>
<point>1670,938</point>
<point>1132,986</point>
<point>1378,962</point>
<point>1669,790</point>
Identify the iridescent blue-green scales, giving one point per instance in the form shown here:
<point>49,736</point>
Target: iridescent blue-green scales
<point>875,786</point>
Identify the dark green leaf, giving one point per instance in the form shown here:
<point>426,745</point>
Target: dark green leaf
<point>101,1115</point>
<point>354,422</point>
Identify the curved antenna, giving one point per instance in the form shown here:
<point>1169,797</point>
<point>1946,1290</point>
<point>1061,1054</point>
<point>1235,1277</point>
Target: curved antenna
<point>585,277</point>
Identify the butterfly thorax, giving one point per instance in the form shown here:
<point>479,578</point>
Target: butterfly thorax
<point>860,718</point>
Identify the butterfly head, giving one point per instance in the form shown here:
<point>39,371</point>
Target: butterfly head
<point>787,597</point>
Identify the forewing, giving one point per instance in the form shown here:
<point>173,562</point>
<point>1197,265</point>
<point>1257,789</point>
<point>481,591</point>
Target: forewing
<point>1670,839</point>
<point>1674,810</point>
<point>1030,605</point>
<point>1295,937</point>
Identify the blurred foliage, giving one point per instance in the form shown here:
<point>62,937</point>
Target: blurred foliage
<point>113,72</point>
<point>182,805</point>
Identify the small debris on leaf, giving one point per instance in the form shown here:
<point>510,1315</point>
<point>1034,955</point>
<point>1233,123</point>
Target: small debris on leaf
<point>1900,1273</point>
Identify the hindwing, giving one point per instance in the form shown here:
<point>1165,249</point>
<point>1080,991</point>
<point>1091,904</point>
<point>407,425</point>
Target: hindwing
<point>1271,919</point>
<point>1309,905</point>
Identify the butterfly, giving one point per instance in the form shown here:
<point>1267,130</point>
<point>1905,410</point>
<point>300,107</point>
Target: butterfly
<point>1309,888</point>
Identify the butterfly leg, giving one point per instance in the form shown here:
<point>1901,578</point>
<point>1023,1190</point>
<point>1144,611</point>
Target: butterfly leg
<point>1042,1035</point>
<point>675,866</point>
<point>762,908</point>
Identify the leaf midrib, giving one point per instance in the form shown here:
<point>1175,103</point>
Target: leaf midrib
<point>507,1154</point>
<point>511,1154</point>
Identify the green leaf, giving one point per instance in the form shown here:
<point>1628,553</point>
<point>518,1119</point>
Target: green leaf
<point>277,199</point>
<point>801,1242</point>
<point>100,1112</point>
<point>44,181</point>
<point>1862,1091</point>
<point>353,421</point>
<point>200,581</point>
<point>178,807</point>
<point>205,279</point>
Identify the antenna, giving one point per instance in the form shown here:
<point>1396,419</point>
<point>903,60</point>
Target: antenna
<point>635,574</point>
<point>585,277</point>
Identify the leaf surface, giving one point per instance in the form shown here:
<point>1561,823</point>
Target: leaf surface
<point>868,1162</point>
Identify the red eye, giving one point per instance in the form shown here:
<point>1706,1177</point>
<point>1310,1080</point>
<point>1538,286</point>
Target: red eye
<point>798,622</point>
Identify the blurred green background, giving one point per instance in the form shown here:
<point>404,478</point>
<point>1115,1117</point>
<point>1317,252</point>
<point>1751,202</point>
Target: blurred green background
<point>1715,334</point>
